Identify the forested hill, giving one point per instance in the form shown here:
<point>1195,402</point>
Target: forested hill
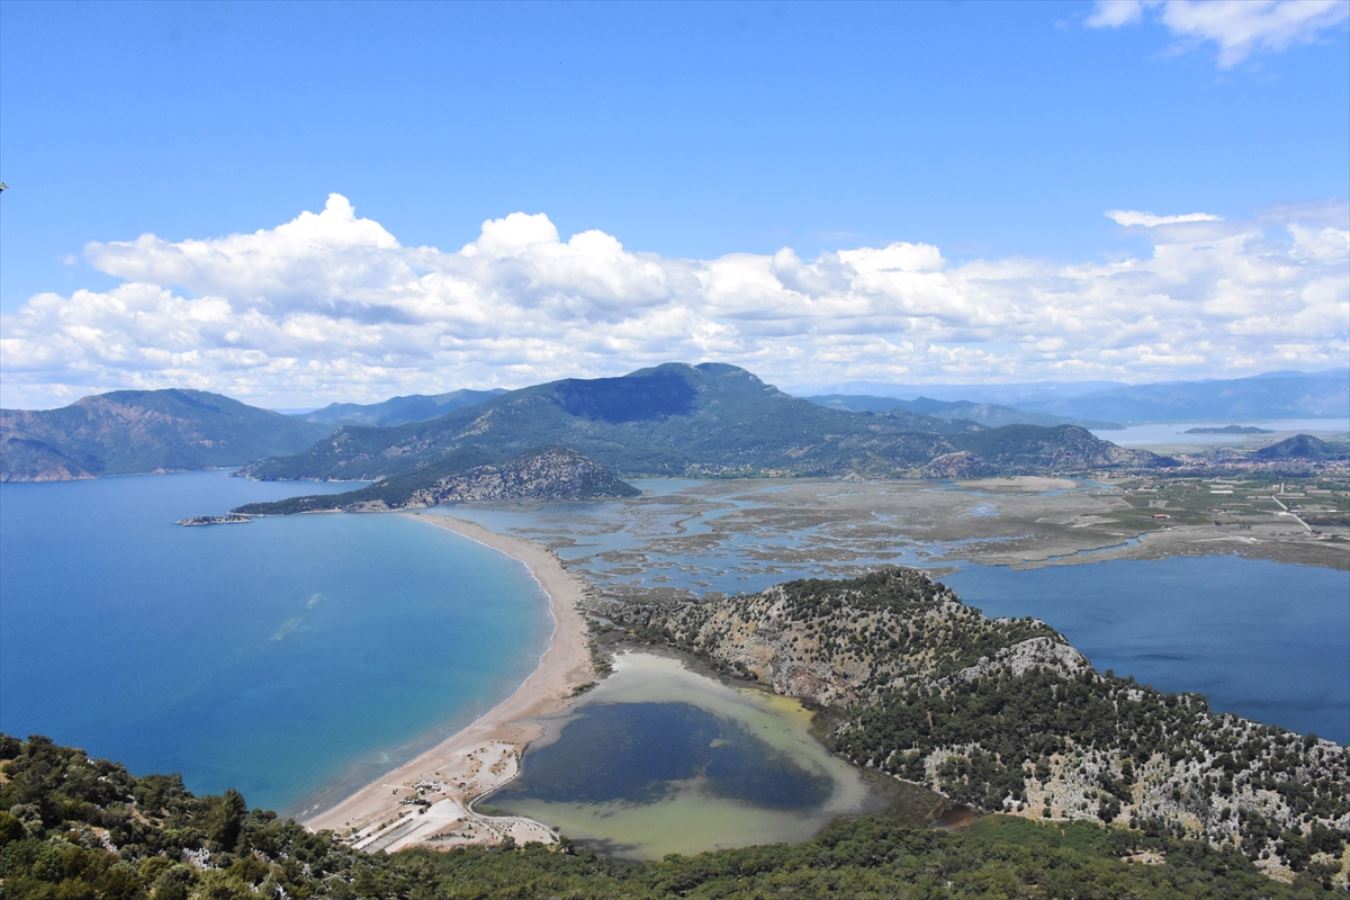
<point>76,827</point>
<point>1006,716</point>
<point>710,419</point>
<point>144,431</point>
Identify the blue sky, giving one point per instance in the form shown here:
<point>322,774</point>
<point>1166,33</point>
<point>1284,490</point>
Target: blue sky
<point>995,132</point>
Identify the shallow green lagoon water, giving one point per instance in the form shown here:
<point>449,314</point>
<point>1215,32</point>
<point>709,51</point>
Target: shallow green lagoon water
<point>659,759</point>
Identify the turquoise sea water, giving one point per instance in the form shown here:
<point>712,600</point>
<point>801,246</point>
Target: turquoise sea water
<point>281,657</point>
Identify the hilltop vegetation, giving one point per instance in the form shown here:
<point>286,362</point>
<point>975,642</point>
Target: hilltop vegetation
<point>1006,716</point>
<point>710,419</point>
<point>144,431</point>
<point>79,827</point>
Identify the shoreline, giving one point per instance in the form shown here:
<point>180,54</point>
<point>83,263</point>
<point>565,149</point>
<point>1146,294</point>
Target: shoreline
<point>428,799</point>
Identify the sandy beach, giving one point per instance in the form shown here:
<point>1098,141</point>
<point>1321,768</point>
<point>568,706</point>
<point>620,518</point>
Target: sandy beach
<point>428,800</point>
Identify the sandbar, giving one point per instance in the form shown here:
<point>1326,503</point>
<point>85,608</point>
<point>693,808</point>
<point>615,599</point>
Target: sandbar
<point>428,801</point>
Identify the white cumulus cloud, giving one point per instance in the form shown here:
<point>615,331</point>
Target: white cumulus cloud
<point>332,306</point>
<point>1238,28</point>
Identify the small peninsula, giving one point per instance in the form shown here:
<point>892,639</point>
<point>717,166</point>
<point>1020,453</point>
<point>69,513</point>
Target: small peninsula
<point>551,474</point>
<point>1227,429</point>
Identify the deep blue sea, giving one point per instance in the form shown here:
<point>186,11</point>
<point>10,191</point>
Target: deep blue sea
<point>281,657</point>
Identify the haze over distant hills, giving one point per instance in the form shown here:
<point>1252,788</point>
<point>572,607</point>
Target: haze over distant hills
<point>991,415</point>
<point>399,410</point>
<point>144,431</point>
<point>1277,395</point>
<point>1272,395</point>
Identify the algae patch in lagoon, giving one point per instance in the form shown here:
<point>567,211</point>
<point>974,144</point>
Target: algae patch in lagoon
<point>659,759</point>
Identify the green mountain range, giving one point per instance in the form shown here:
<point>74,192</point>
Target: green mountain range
<point>705,420</point>
<point>144,431</point>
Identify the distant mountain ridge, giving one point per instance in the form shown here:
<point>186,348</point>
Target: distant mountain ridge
<point>144,431</point>
<point>1270,396</point>
<point>707,420</point>
<point>991,415</point>
<point>399,410</point>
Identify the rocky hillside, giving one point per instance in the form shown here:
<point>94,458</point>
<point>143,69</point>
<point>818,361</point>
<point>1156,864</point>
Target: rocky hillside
<point>144,431</point>
<point>553,474</point>
<point>1006,716</point>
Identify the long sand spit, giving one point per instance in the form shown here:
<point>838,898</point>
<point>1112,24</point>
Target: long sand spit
<point>428,801</point>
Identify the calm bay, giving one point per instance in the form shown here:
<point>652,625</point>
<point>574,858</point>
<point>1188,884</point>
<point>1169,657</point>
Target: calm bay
<point>289,658</point>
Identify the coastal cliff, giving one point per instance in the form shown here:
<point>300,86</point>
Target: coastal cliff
<point>1005,715</point>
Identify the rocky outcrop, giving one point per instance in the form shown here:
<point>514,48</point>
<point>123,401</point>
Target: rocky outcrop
<point>550,475</point>
<point>553,474</point>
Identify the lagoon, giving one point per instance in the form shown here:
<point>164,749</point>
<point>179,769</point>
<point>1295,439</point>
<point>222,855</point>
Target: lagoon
<point>661,759</point>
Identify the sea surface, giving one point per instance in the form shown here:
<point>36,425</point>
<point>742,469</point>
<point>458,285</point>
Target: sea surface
<point>289,658</point>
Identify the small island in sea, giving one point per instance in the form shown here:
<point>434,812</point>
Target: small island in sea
<point>223,519</point>
<point>1227,429</point>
